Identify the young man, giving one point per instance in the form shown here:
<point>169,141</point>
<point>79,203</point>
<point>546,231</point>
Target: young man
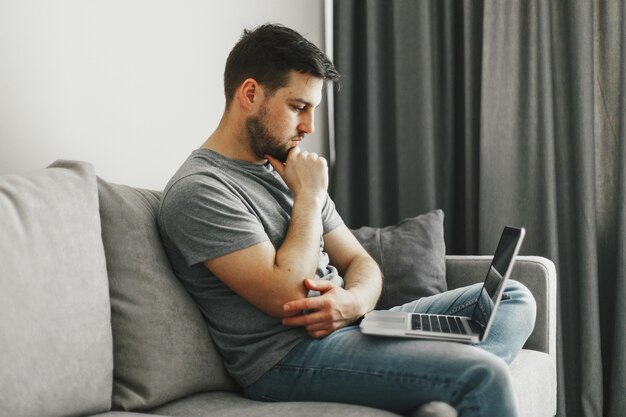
<point>253,235</point>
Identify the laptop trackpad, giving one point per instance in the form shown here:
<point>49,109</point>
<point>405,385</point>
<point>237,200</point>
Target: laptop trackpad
<point>394,320</point>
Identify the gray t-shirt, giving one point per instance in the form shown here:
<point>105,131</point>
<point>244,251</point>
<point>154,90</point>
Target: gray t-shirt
<point>213,206</point>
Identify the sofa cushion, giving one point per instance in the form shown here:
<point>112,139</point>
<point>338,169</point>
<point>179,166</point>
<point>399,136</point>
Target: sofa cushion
<point>162,347</point>
<point>411,255</point>
<point>55,330</point>
<point>228,404</point>
<point>534,381</point>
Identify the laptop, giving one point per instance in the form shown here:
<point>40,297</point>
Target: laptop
<point>472,329</point>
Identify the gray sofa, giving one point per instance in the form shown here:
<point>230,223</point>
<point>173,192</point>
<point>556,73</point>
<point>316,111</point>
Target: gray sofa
<point>93,319</point>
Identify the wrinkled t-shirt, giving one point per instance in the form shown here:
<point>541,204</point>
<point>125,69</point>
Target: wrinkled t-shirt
<point>214,206</point>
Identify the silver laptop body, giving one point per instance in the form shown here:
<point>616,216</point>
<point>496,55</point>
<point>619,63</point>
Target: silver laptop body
<point>472,329</point>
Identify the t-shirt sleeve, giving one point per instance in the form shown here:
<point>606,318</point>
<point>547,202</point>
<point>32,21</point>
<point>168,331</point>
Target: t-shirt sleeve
<point>205,220</point>
<point>330,217</point>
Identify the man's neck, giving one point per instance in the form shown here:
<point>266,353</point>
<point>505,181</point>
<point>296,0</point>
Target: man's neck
<point>231,143</point>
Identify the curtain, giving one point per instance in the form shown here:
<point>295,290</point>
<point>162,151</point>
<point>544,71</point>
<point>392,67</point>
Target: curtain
<point>501,113</point>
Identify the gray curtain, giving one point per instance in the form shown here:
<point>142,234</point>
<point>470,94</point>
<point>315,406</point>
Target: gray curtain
<point>501,113</point>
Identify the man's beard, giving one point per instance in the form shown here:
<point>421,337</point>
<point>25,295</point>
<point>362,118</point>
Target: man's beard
<point>262,141</point>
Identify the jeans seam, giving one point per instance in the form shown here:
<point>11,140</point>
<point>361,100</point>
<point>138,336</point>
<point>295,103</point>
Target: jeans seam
<point>462,306</point>
<point>392,375</point>
<point>470,399</point>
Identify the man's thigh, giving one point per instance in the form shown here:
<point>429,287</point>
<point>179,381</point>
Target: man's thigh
<point>458,302</point>
<point>390,373</point>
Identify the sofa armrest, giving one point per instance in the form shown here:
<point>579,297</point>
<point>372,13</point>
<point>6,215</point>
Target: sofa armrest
<point>536,273</point>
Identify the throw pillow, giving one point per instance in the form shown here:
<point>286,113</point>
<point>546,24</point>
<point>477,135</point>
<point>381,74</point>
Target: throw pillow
<point>55,329</point>
<point>161,344</point>
<point>411,255</point>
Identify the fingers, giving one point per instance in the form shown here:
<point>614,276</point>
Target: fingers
<point>276,164</point>
<point>320,315</point>
<point>306,319</point>
<point>318,334</point>
<point>316,325</point>
<point>324,314</point>
<point>313,156</point>
<point>320,285</point>
<point>314,303</point>
<point>304,173</point>
<point>296,153</point>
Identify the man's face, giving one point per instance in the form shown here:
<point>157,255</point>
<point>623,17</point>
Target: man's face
<point>284,118</point>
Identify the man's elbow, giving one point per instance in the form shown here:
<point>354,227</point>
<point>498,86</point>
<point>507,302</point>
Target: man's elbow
<point>277,309</point>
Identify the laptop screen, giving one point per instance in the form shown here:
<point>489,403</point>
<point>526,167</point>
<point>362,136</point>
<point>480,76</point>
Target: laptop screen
<point>492,288</point>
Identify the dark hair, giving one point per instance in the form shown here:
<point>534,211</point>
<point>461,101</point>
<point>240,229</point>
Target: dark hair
<point>269,54</point>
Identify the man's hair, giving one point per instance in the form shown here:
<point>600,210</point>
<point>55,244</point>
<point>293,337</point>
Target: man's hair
<point>269,54</point>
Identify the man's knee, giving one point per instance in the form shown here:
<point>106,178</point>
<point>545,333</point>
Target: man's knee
<point>488,377</point>
<point>525,305</point>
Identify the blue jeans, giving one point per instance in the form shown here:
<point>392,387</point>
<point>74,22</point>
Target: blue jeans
<point>399,374</point>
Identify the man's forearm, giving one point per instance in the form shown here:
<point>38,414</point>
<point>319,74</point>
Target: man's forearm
<point>364,279</point>
<point>306,175</point>
<point>298,256</point>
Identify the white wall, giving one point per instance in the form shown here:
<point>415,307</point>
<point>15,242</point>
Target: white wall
<point>132,86</point>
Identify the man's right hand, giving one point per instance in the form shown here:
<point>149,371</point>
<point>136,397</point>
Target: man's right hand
<point>304,173</point>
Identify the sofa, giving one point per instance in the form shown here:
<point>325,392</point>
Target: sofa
<point>93,322</point>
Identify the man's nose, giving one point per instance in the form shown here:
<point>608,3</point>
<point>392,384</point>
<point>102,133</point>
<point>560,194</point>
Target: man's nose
<point>307,125</point>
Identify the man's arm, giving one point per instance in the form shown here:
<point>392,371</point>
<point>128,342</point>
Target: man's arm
<point>269,278</point>
<point>338,307</point>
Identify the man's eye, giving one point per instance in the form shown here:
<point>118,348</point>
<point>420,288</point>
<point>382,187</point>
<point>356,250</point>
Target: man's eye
<point>299,108</point>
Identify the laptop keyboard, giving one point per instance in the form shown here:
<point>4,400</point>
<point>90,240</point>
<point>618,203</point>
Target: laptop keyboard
<point>436,323</point>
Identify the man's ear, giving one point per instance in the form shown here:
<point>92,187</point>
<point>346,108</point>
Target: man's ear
<point>249,94</point>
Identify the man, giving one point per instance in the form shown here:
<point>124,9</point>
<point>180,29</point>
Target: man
<point>255,238</point>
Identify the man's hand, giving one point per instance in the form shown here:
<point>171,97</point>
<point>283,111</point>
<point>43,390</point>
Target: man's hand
<point>333,309</point>
<point>304,172</point>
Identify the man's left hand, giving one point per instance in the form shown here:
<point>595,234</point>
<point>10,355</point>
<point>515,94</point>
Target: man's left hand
<point>333,309</point>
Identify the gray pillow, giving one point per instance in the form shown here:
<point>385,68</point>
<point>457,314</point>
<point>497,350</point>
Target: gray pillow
<point>411,255</point>
<point>161,344</point>
<point>55,329</point>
